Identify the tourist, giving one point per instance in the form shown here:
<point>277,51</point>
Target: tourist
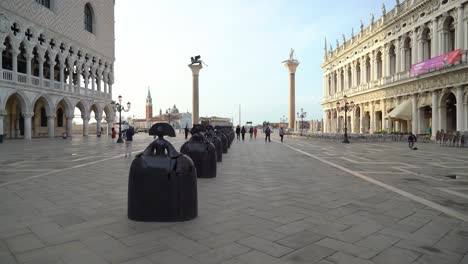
<point>251,132</point>
<point>243,133</point>
<point>281,133</point>
<point>255,132</point>
<point>113,134</point>
<point>129,135</point>
<point>267,134</point>
<point>411,140</point>
<point>238,132</point>
<point>186,130</point>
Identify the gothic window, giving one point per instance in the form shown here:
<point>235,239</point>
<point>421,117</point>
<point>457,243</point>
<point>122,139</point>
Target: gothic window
<point>88,18</point>
<point>60,117</point>
<point>392,57</point>
<point>43,117</point>
<point>330,92</point>
<point>45,3</point>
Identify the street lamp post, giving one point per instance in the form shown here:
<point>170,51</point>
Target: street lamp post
<point>302,115</point>
<point>283,120</point>
<point>120,108</point>
<point>347,107</point>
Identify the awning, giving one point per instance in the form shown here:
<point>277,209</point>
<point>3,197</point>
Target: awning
<point>402,111</point>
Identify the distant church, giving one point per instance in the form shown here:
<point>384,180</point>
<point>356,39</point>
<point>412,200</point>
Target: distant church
<point>172,116</point>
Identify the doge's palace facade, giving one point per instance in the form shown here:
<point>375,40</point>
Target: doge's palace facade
<point>55,55</point>
<point>405,72</point>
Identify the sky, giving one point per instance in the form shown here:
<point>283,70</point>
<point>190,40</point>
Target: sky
<point>243,42</point>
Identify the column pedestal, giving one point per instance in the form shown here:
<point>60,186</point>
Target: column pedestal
<point>51,126</point>
<point>459,97</point>
<point>27,125</point>
<point>85,125</point>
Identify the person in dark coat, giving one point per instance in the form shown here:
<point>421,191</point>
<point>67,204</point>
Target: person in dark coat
<point>251,132</point>
<point>243,133</point>
<point>411,140</point>
<point>267,134</point>
<point>186,130</point>
<point>129,142</point>
<point>238,132</point>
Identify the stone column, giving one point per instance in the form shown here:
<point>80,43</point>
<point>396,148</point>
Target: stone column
<point>397,126</point>
<point>109,125</point>
<point>70,125</point>
<point>41,69</point>
<point>2,114</point>
<point>421,127</point>
<point>52,63</point>
<point>29,56</point>
<point>435,114</point>
<point>27,125</point>
<point>414,56</point>
<point>51,126</point>
<point>466,116</point>
<point>325,121</point>
<point>459,97</point>
<point>98,123</point>
<point>291,65</point>
<point>352,114</point>
<point>384,112</point>
<point>14,54</point>
<point>2,47</point>
<point>93,81</point>
<point>71,69</point>
<point>361,119</point>
<point>435,39</point>
<point>460,33</point>
<point>195,92</point>
<point>85,125</point>
<point>414,114</point>
<point>372,117</point>
<point>62,75</point>
<point>397,57</point>
<point>86,79</point>
<point>442,118</point>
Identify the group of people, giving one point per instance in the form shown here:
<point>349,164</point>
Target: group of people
<point>253,132</point>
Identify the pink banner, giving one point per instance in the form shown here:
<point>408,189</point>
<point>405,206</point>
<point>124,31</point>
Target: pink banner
<point>436,62</point>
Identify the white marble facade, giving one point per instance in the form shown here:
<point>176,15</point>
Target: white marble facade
<point>56,55</point>
<point>372,68</point>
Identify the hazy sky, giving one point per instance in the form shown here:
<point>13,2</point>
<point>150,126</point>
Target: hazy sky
<point>242,41</point>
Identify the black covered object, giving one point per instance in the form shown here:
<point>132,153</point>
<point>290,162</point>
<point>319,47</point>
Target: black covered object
<point>224,140</point>
<point>202,152</point>
<point>162,183</point>
<point>213,138</point>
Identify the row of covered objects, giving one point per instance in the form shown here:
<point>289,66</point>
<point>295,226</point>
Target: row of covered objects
<point>162,182</point>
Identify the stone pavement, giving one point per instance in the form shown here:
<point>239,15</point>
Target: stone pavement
<point>304,201</point>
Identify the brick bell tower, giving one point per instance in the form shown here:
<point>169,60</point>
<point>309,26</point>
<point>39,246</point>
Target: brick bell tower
<point>149,108</point>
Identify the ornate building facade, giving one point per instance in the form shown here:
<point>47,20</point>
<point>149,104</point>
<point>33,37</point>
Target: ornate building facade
<point>405,72</point>
<point>56,55</point>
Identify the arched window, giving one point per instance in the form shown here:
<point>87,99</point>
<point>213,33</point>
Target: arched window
<point>350,78</point>
<point>449,34</point>
<point>335,82</point>
<point>88,18</point>
<point>342,80</point>
<point>368,70</point>
<point>408,50</point>
<point>426,44</point>
<point>60,117</point>
<point>43,117</point>
<point>378,60</point>
<point>358,73</point>
<point>392,57</point>
<point>330,92</point>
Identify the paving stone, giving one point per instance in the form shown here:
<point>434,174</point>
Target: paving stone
<point>378,242</point>
<point>170,257</point>
<point>395,255</point>
<point>221,254</point>
<point>24,243</point>
<point>429,249</point>
<point>348,248</point>
<point>256,257</point>
<point>269,247</point>
<point>138,261</point>
<point>184,245</point>
<point>300,239</point>
<point>309,254</point>
<point>343,258</point>
<point>224,239</point>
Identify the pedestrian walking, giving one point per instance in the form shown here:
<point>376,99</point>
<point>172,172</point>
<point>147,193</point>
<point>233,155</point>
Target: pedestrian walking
<point>238,130</point>
<point>267,134</point>
<point>113,134</point>
<point>281,133</point>
<point>129,142</point>
<point>411,140</point>
<point>251,132</point>
<point>186,130</point>
<point>243,133</point>
<point>255,132</point>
